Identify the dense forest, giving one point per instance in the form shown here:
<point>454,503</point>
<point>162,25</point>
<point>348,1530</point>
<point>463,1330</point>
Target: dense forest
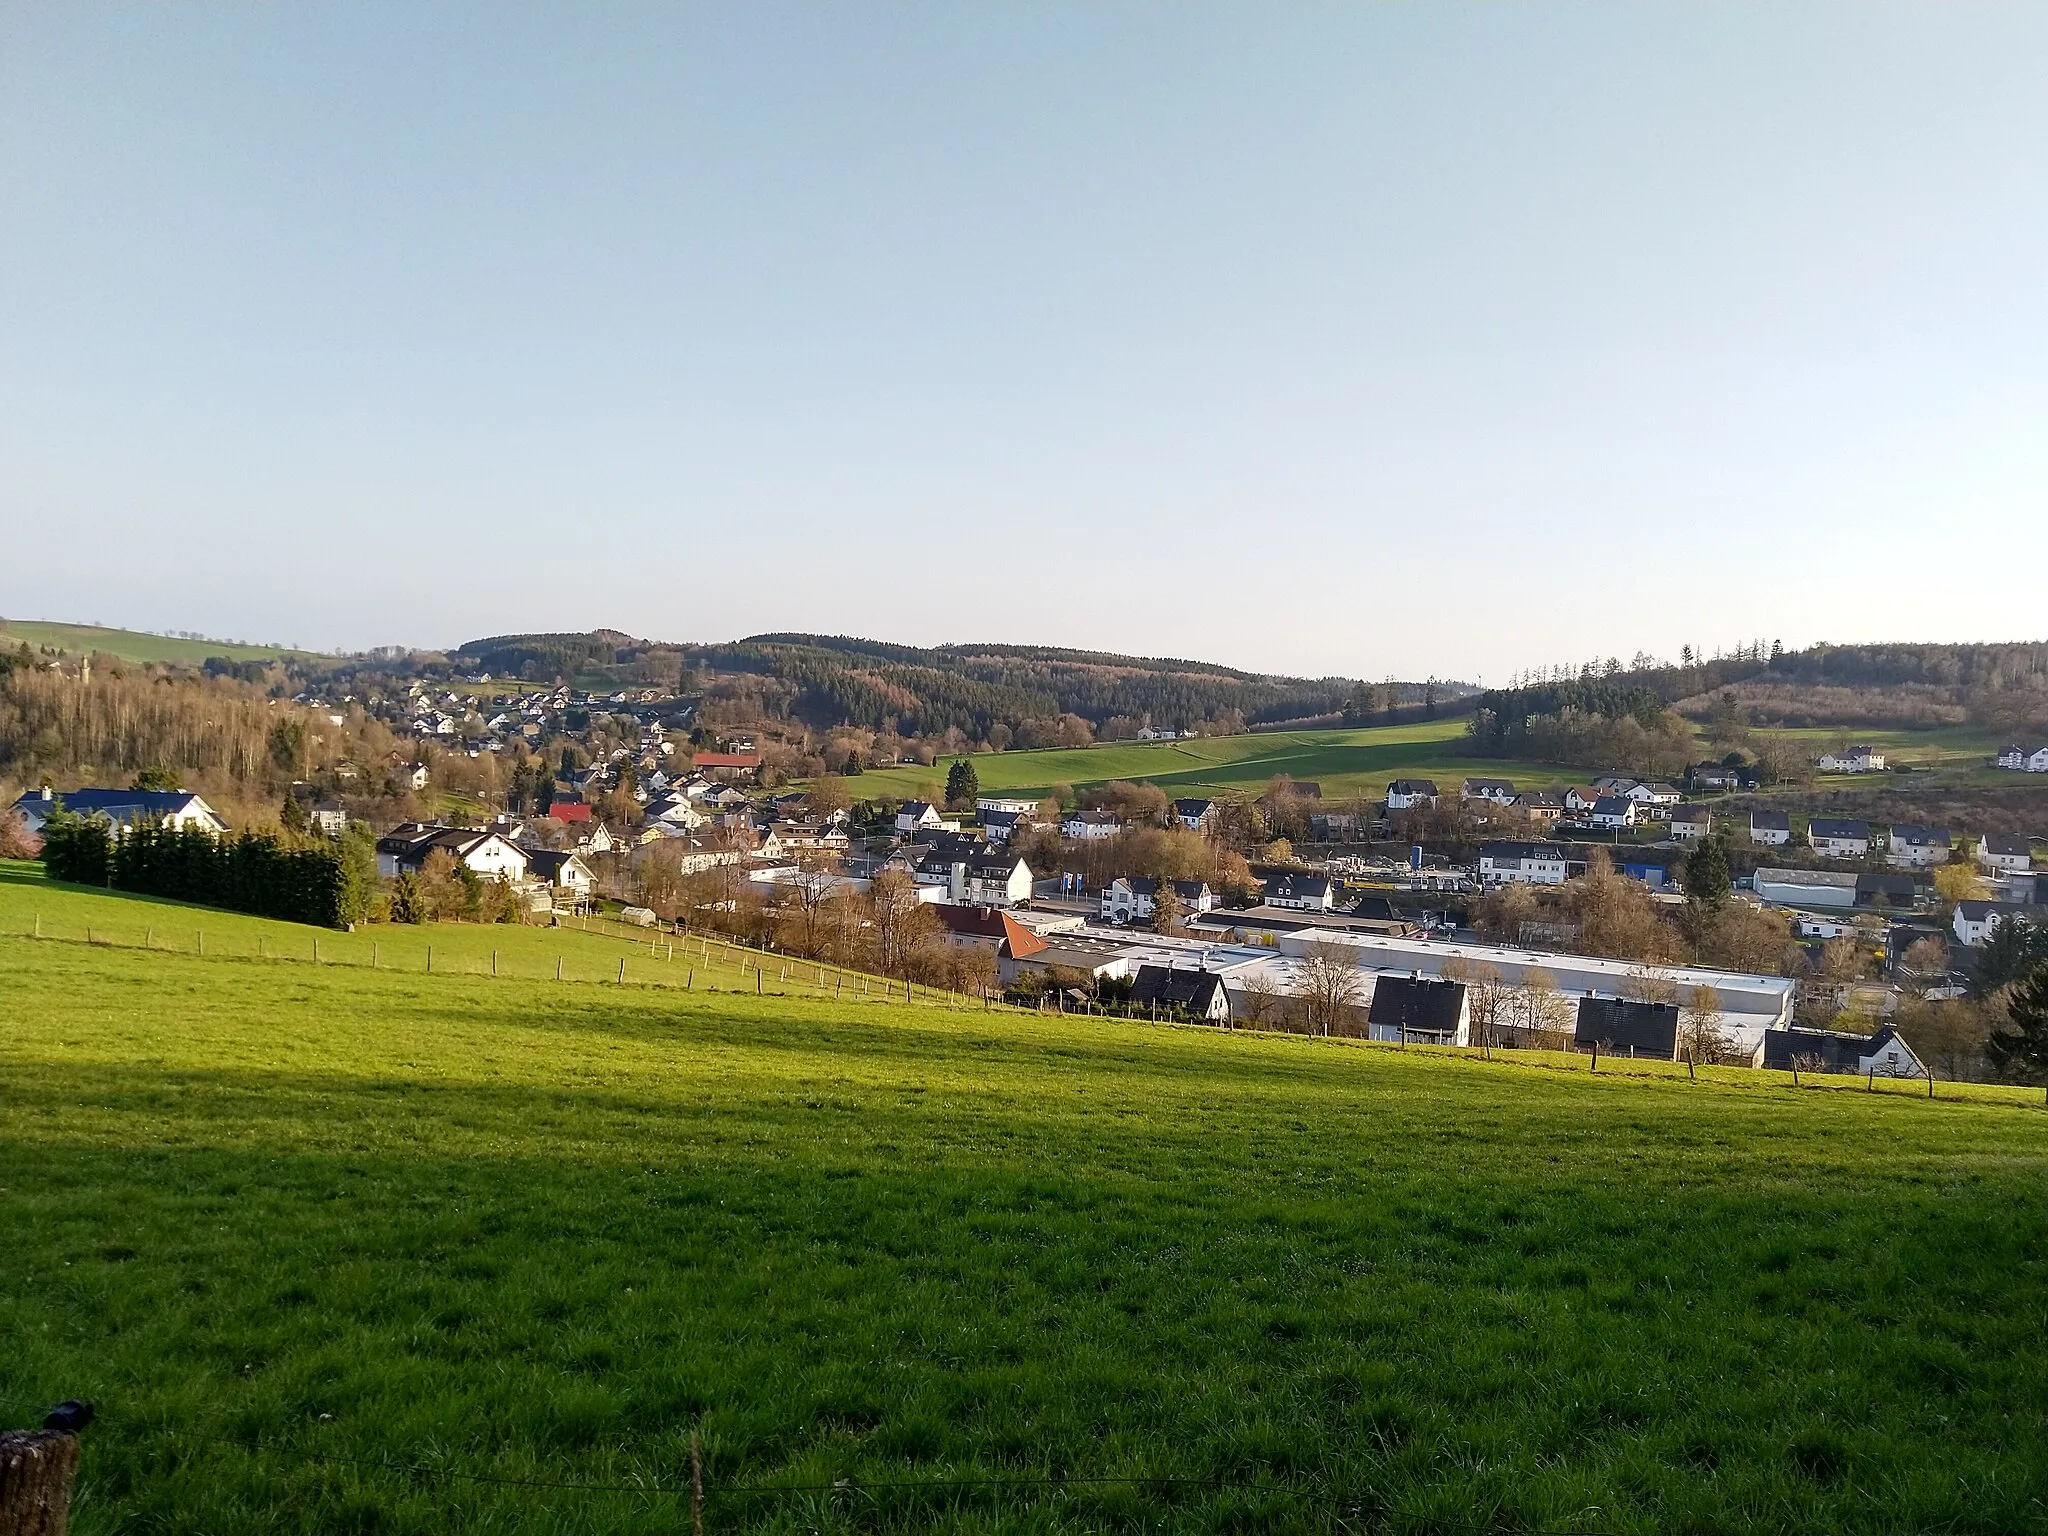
<point>985,692</point>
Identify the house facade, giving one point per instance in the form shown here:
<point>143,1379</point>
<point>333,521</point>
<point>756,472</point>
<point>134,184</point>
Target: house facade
<point>1974,920</point>
<point>177,809</point>
<point>1914,847</point>
<point>1691,823</point>
<point>1836,839</point>
<point>1614,811</point>
<point>1406,794</point>
<point>1521,864</point>
<point>1133,898</point>
<point>1301,892</point>
<point>1498,791</point>
<point>2005,855</point>
<point>406,849</point>
<point>1852,760</point>
<point>1771,828</point>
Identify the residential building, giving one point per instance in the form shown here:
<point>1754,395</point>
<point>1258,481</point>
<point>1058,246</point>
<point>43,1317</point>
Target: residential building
<point>1521,864</point>
<point>1543,806</point>
<point>327,817</point>
<point>2007,855</point>
<point>1974,920</point>
<point>726,765</point>
<point>1614,783</point>
<point>1001,826</point>
<point>406,849</point>
<point>917,816</point>
<point>1406,794</point>
<point>1300,892</point>
<point>1833,838</point>
<point>988,928</point>
<point>1011,805</point>
<point>1852,760</point>
<point>564,873</point>
<point>178,809</point>
<point>1771,828</point>
<point>1089,826</point>
<point>1195,815</point>
<point>1581,798</point>
<point>1420,1009</point>
<point>1883,1054</point>
<point>413,776</point>
<point>1199,994</point>
<point>1914,847</point>
<point>1499,791</point>
<point>1614,811</point>
<point>2024,759</point>
<point>1656,796</point>
<point>1132,898</point>
<point>1625,1027</point>
<point>1691,823</point>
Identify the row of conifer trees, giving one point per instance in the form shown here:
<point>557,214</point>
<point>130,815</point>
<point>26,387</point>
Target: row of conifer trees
<point>312,882</point>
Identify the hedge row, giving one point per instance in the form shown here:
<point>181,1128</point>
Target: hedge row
<point>252,872</point>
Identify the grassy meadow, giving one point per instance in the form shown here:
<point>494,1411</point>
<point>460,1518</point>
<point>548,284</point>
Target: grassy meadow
<point>129,644</point>
<point>382,1251</point>
<point>1344,762</point>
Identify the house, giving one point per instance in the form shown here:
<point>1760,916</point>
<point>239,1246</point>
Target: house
<point>726,765</point>
<point>1626,1027</point>
<point>1130,898</point>
<point>1001,826</point>
<point>1656,796</point>
<point>1773,828</point>
<point>918,816</point>
<point>1008,805</point>
<point>562,872</point>
<point>2007,855</point>
<point>1974,920</point>
<point>1691,823</point>
<point>1837,839</point>
<point>1499,791</point>
<point>1199,994</point>
<point>996,880</point>
<point>1580,799</point>
<point>676,810</point>
<point>1421,1009</point>
<point>328,817</point>
<point>2024,759</point>
<point>1614,784</point>
<point>1301,892</point>
<point>413,776</point>
<point>406,849</point>
<point>1195,815</point>
<point>1521,864</point>
<point>1614,811</point>
<point>1406,794</point>
<point>593,837</point>
<point>177,809</point>
<point>988,928</point>
<point>1541,806</point>
<point>1883,1054</point>
<point>1089,826</point>
<point>1715,778</point>
<point>1852,760</point>
<point>1914,847</point>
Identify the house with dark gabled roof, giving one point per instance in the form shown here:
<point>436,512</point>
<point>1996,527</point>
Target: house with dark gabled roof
<point>1133,898</point>
<point>1421,1009</point>
<point>178,809</point>
<point>1883,1054</point>
<point>1627,1027</point>
<point>1194,814</point>
<point>1917,847</point>
<point>1499,791</point>
<point>1772,828</point>
<point>1974,920</point>
<point>2006,855</point>
<point>1836,838</point>
<point>406,848</point>
<point>1521,864</point>
<point>1300,892</point>
<point>1406,794</point>
<point>1198,994</point>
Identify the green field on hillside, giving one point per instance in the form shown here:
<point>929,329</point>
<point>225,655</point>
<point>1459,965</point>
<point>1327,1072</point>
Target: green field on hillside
<point>130,644</point>
<point>354,1250</point>
<point>1347,762</point>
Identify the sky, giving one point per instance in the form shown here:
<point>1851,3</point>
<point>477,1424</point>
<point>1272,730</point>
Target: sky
<point>1326,339</point>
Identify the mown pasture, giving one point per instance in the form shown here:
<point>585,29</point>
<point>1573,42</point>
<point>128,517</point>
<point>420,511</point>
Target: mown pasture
<point>344,1249</point>
<point>130,644</point>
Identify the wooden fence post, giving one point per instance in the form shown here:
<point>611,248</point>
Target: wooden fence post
<point>37,1467</point>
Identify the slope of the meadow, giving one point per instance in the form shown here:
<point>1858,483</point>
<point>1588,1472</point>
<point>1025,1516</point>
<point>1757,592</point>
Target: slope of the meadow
<point>344,1249</point>
<point>130,644</point>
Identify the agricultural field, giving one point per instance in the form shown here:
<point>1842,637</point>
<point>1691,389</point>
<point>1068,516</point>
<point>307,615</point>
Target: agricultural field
<point>1344,762</point>
<point>129,644</point>
<point>1951,749</point>
<point>337,1248</point>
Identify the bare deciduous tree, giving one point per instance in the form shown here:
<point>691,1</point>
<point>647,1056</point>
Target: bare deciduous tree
<point>1329,984</point>
<point>1700,1036</point>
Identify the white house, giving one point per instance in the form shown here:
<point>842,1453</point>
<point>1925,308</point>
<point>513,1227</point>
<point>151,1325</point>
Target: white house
<point>1521,864</point>
<point>1194,814</point>
<point>1852,760</point>
<point>995,880</point>
<point>1302,893</point>
<point>1974,920</point>
<point>1012,805</point>
<point>2007,855</point>
<point>918,816</point>
<point>1836,839</point>
<point>1089,826</point>
<point>1614,811</point>
<point>1581,798</point>
<point>1130,898</point>
<point>1772,828</point>
<point>1405,794</point>
<point>1919,847</point>
<point>406,848</point>
<point>563,872</point>
<point>2025,760</point>
<point>413,775</point>
<point>1614,784</point>
<point>329,818</point>
<point>1690,823</point>
<point>1498,791</point>
<point>123,808</point>
<point>1656,795</point>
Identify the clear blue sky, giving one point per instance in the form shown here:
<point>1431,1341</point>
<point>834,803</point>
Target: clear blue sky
<point>1345,338</point>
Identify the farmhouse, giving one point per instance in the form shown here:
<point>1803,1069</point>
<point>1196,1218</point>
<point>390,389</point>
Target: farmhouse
<point>1406,794</point>
<point>122,808</point>
<point>988,928</point>
<point>1852,760</point>
<point>406,848</point>
<point>1541,805</point>
<point>2024,759</point>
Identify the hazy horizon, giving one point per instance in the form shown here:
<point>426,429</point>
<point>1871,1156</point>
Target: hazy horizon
<point>1338,341</point>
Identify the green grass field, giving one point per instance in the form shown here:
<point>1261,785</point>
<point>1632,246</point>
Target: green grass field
<point>1344,762</point>
<point>379,1251</point>
<point>130,644</point>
